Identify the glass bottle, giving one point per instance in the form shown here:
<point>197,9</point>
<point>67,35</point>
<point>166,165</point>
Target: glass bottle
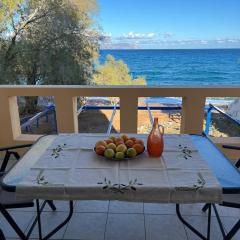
<point>155,142</point>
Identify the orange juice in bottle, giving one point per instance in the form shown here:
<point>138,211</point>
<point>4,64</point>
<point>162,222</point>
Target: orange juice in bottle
<point>155,142</point>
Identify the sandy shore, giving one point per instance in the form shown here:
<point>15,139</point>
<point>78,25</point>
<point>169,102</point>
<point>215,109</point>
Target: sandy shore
<point>97,121</point>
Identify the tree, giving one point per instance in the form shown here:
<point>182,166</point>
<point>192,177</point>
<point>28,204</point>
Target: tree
<point>61,47</point>
<point>57,31</point>
<point>47,42</point>
<point>114,72</point>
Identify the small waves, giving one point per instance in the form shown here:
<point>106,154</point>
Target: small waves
<point>182,67</point>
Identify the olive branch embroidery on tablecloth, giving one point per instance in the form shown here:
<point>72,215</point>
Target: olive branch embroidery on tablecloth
<point>186,153</point>
<point>196,186</point>
<point>200,182</point>
<point>40,179</point>
<point>120,187</point>
<point>56,151</point>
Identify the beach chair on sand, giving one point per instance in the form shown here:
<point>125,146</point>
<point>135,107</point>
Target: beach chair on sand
<point>8,199</point>
<point>230,201</point>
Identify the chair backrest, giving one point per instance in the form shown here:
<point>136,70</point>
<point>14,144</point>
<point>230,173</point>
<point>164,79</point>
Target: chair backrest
<point>6,158</point>
<point>9,152</point>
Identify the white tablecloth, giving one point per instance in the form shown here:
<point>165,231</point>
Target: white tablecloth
<point>78,173</point>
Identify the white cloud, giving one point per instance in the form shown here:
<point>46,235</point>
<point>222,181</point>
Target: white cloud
<point>168,35</point>
<point>234,40</point>
<point>151,35</point>
<point>227,40</point>
<point>203,42</point>
<point>120,45</point>
<point>164,40</point>
<point>133,35</point>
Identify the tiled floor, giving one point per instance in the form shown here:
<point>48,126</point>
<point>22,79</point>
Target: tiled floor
<point>99,220</point>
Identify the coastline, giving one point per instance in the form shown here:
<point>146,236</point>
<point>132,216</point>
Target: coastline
<point>169,100</point>
<point>97,121</point>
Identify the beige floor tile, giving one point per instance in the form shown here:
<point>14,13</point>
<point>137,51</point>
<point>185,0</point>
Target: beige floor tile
<point>228,212</point>
<point>164,227</point>
<point>91,206</point>
<point>23,219</point>
<point>228,223</point>
<point>62,206</point>
<point>200,223</point>
<point>49,221</point>
<point>125,227</point>
<point>156,208</point>
<point>125,207</point>
<point>90,226</point>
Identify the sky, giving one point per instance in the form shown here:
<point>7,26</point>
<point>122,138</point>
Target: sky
<point>164,24</point>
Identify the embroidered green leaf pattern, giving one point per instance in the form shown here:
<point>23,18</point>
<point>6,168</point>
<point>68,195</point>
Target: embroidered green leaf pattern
<point>200,182</point>
<point>195,187</point>
<point>120,187</point>
<point>41,179</point>
<point>56,151</point>
<point>185,152</point>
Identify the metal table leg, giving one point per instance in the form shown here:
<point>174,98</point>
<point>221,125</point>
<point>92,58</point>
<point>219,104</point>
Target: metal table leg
<point>12,222</point>
<point>194,230</point>
<point>55,230</point>
<point>232,232</point>
<point>2,237</point>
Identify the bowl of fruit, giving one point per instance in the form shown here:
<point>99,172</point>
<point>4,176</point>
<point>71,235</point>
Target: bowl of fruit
<point>120,148</point>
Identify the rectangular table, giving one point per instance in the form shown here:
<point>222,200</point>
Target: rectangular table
<point>78,173</point>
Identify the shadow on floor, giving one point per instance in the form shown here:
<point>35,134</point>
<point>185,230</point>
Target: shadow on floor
<point>93,121</point>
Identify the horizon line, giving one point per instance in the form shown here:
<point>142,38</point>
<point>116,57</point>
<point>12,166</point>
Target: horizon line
<point>238,48</point>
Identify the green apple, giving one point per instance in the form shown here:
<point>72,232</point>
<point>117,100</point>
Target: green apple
<point>112,138</point>
<point>131,152</point>
<point>120,155</point>
<point>109,153</point>
<point>121,148</point>
<point>111,146</point>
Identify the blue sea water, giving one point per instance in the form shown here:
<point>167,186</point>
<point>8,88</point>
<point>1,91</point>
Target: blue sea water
<point>198,67</point>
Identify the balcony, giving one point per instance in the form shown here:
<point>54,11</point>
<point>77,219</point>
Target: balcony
<point>192,114</point>
<point>113,219</point>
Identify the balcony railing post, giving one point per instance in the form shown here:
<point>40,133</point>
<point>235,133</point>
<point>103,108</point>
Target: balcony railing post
<point>192,115</point>
<point>10,122</point>
<point>128,114</point>
<point>66,114</point>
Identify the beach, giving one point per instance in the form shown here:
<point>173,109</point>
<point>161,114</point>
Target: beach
<point>97,121</point>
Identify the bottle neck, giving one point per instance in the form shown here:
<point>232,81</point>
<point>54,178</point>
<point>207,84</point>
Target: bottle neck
<point>155,123</point>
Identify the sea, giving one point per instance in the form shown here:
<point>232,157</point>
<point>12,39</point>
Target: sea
<point>182,67</point>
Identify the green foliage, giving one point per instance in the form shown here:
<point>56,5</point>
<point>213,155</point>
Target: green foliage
<point>47,41</point>
<point>114,72</point>
<point>8,8</point>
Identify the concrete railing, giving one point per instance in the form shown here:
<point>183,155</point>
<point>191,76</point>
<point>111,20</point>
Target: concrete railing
<point>66,106</point>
